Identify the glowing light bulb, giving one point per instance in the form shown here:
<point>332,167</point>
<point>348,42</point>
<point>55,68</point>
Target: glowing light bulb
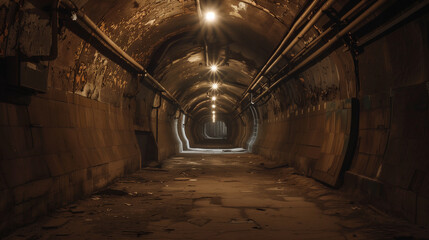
<point>213,106</point>
<point>215,86</point>
<point>213,112</point>
<point>213,98</point>
<point>213,68</point>
<point>210,16</point>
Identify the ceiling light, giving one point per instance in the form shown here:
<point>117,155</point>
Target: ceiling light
<point>215,86</point>
<point>213,113</point>
<point>210,16</point>
<point>213,98</point>
<point>213,106</point>
<point>213,68</point>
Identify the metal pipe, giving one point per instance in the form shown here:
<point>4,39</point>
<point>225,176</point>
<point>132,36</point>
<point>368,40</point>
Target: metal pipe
<point>301,34</point>
<point>345,30</point>
<point>353,10</point>
<point>393,23</point>
<point>305,30</point>
<point>349,27</point>
<point>133,63</point>
<point>323,34</point>
<point>285,39</point>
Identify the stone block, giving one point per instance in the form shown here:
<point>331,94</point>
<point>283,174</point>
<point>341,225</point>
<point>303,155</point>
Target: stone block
<point>100,176</point>
<point>403,202</point>
<point>86,138</point>
<point>107,136</point>
<point>89,118</point>
<point>73,113</point>
<point>373,142</point>
<point>373,165</point>
<point>78,179</point>
<point>100,119</point>
<point>102,106</point>
<point>309,152</point>
<point>79,160</point>
<point>55,165</point>
<point>99,137</point>
<point>28,211</point>
<point>58,95</point>
<point>116,169</point>
<point>84,102</point>
<point>39,111</point>
<point>32,190</point>
<point>81,116</point>
<point>29,169</point>
<point>62,114</point>
<point>17,115</point>
<point>53,139</point>
<point>70,138</point>
<point>94,157</point>
<point>361,185</point>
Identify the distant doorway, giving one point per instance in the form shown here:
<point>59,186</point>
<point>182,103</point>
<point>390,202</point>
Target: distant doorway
<point>215,130</point>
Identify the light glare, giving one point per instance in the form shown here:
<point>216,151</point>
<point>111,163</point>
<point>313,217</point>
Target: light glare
<point>215,86</point>
<point>210,16</point>
<point>213,106</point>
<point>213,68</point>
<point>213,98</point>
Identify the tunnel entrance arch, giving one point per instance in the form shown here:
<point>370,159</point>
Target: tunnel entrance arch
<point>254,134</point>
<point>215,130</point>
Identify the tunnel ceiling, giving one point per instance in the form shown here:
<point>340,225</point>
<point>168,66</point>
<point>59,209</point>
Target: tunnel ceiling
<point>175,44</point>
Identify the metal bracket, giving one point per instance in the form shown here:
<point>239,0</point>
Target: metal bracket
<point>352,45</point>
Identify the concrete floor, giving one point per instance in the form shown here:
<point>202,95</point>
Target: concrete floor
<point>214,196</point>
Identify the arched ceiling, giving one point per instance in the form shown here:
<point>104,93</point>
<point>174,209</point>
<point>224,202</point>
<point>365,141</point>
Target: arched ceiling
<point>173,42</point>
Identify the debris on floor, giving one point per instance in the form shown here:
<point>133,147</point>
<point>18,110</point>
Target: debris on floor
<point>223,201</point>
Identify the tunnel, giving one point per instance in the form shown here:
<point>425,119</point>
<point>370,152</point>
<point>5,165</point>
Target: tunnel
<point>214,119</point>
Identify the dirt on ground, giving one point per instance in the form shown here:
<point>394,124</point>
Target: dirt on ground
<point>219,196</point>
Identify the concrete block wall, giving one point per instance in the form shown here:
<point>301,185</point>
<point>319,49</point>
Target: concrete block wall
<point>315,140</point>
<point>391,165</point>
<point>57,149</point>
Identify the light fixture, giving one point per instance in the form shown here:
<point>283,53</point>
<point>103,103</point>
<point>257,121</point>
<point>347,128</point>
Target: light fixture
<point>210,16</point>
<point>215,86</point>
<point>213,98</point>
<point>213,106</point>
<point>213,112</point>
<point>213,68</point>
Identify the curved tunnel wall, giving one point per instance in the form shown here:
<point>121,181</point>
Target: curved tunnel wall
<point>362,121</point>
<point>312,130</point>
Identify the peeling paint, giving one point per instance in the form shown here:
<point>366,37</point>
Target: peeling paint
<point>238,8</point>
<point>195,58</point>
<point>151,22</point>
<point>35,36</point>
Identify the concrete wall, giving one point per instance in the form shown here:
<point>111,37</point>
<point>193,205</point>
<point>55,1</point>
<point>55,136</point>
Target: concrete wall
<point>57,149</point>
<point>385,150</point>
<point>391,164</point>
